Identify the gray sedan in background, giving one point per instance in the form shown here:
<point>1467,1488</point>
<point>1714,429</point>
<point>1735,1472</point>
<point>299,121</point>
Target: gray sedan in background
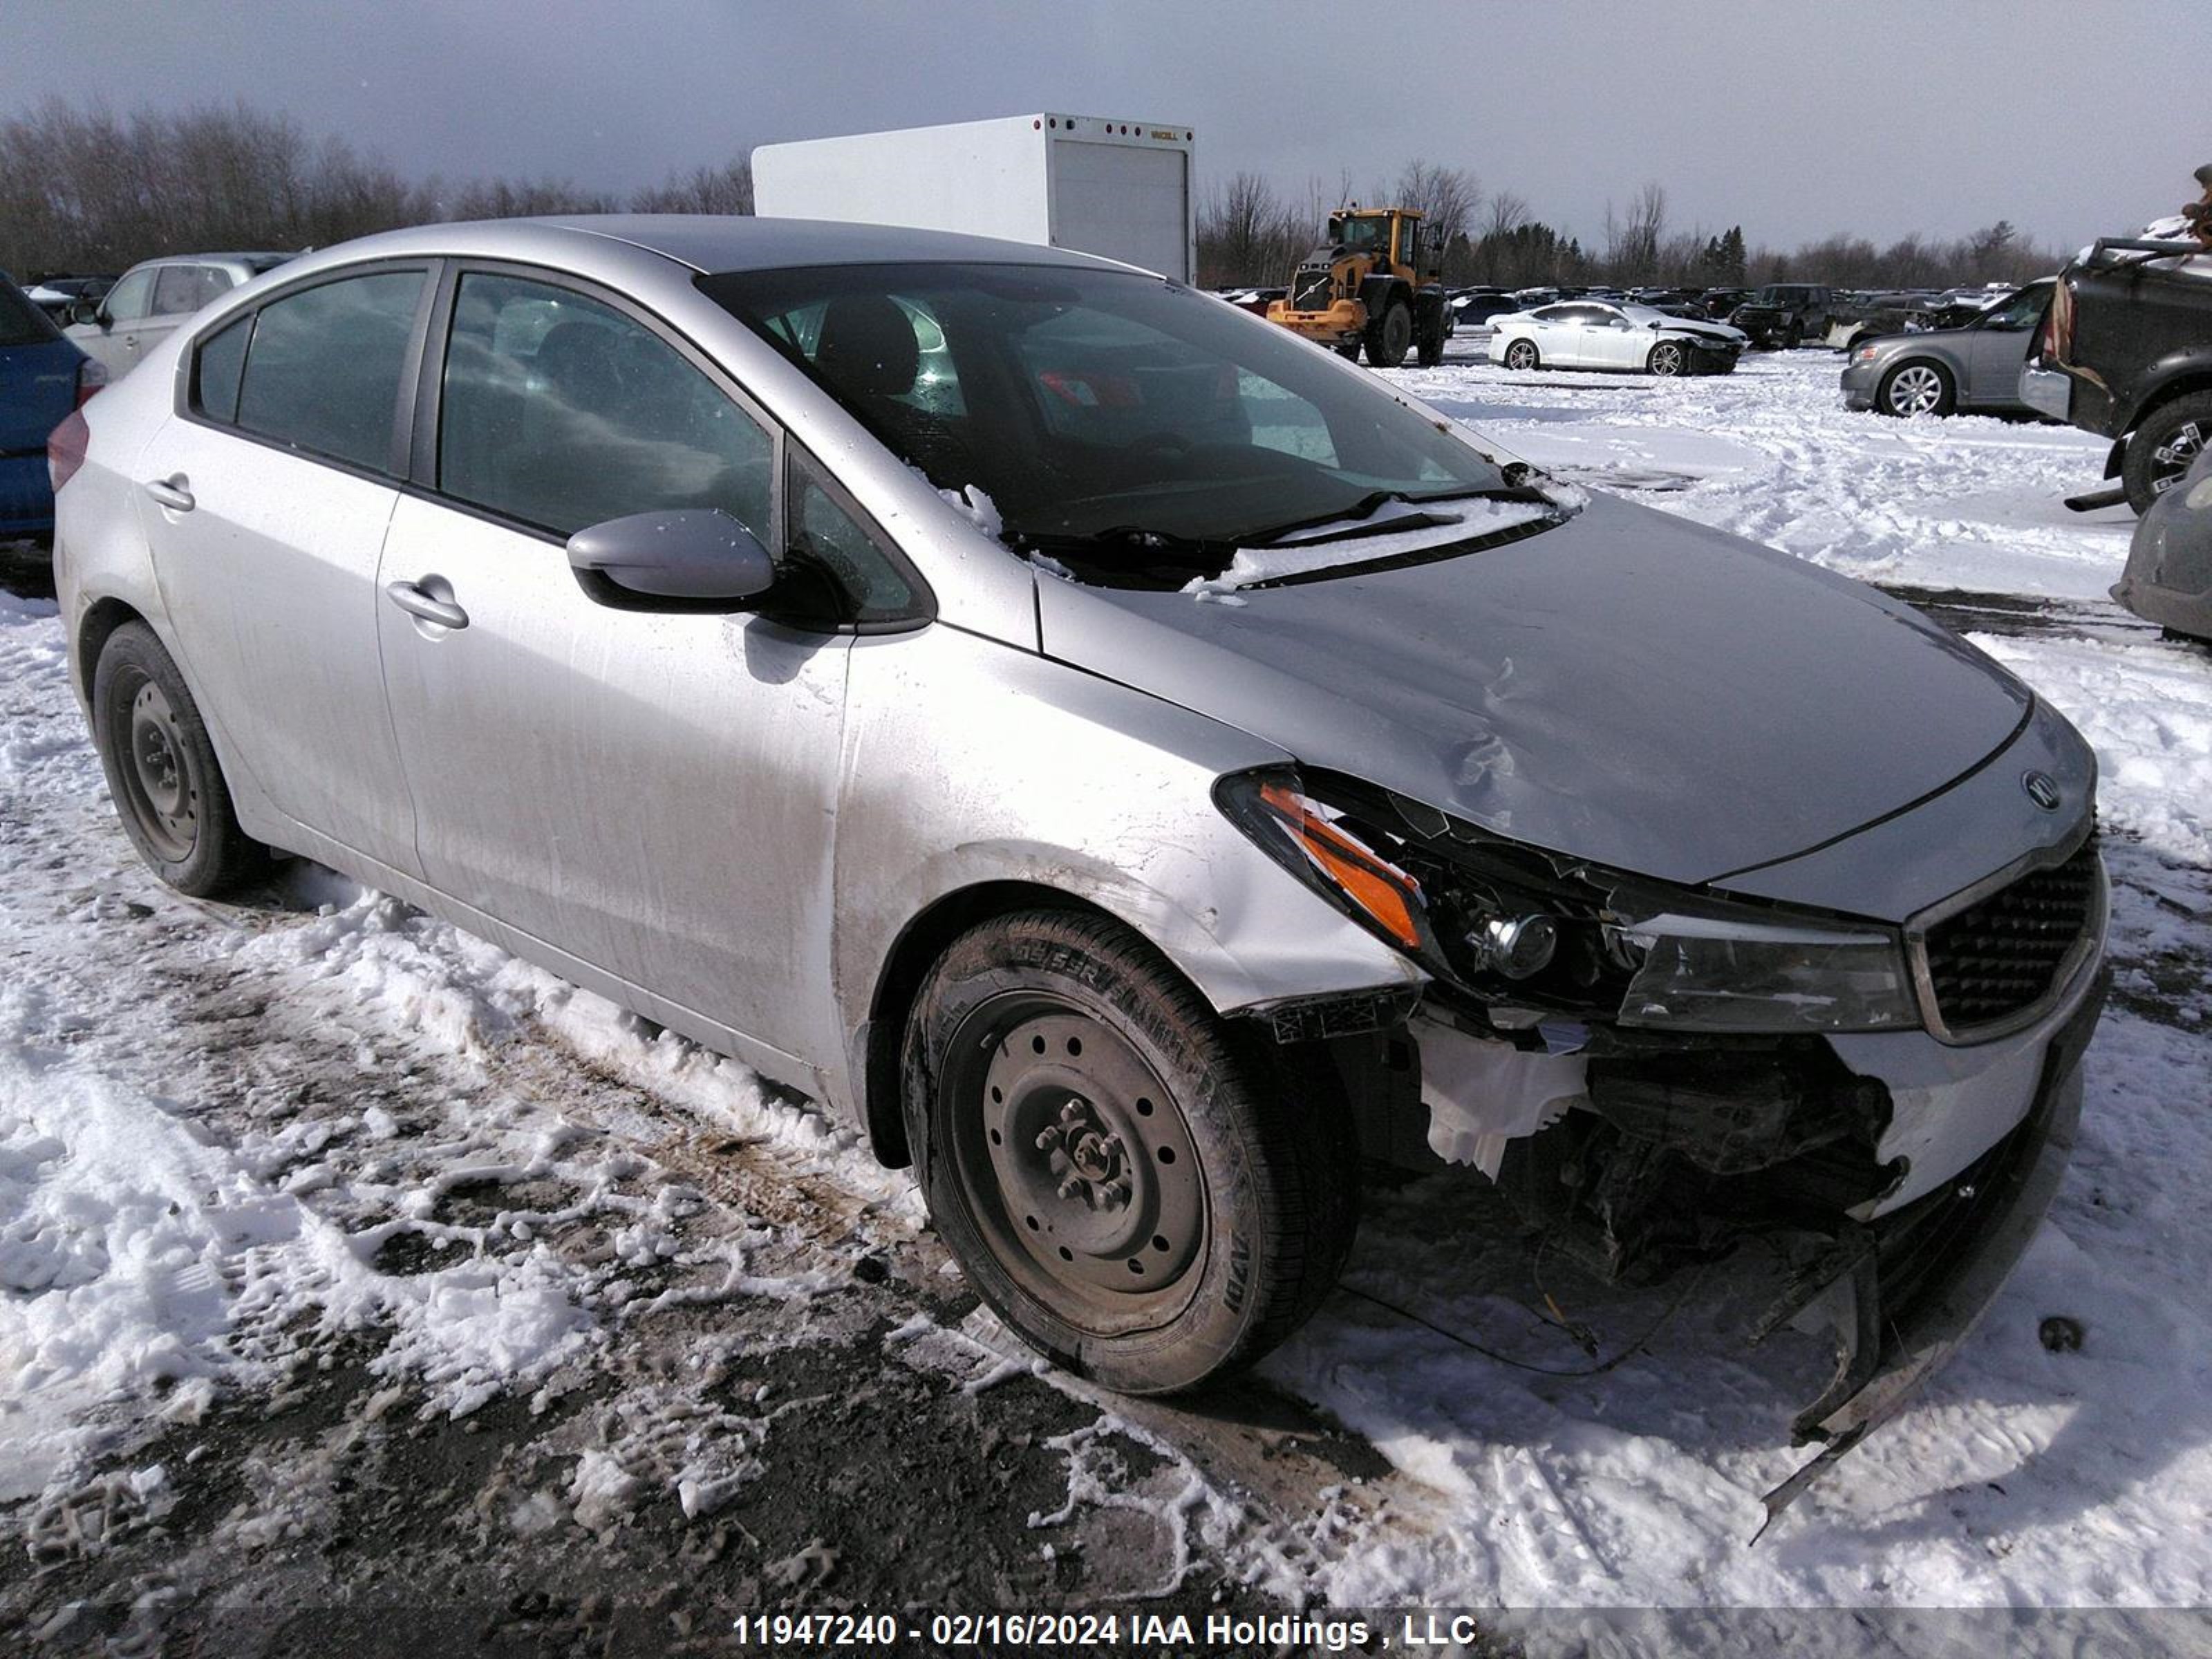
<point>1974,369</point>
<point>1126,760</point>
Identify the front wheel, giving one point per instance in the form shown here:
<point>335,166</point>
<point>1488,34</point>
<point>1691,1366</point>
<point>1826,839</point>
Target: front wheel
<point>2161,449</point>
<point>1390,336</point>
<point>1522,354</point>
<point>1915,388</point>
<point>161,768</point>
<point>1667,357</point>
<point>1144,1194</point>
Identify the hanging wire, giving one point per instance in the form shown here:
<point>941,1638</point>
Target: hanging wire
<point>1467,1342</point>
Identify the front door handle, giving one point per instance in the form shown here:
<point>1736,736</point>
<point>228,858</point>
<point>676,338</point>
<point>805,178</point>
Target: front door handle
<point>171,493</point>
<point>415,602</point>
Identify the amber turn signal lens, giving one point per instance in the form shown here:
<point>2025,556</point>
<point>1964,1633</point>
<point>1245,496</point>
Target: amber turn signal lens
<point>1385,893</point>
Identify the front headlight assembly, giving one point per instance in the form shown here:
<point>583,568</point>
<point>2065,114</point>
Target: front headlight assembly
<point>1538,933</point>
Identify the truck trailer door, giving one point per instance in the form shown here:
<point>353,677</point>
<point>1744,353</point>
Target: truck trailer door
<point>1129,202</point>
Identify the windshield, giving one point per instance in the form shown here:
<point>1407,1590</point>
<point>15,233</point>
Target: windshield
<point>1101,406</point>
<point>1360,235</point>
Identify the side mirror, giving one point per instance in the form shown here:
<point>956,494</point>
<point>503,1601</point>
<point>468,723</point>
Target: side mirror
<point>82,310</point>
<point>674,561</point>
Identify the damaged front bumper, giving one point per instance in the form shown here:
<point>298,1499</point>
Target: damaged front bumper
<point>1915,1281</point>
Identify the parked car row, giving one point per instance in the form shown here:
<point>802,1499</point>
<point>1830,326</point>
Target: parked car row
<point>63,337</point>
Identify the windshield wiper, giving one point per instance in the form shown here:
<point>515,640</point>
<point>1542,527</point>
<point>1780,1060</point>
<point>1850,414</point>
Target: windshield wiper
<point>1379,499</point>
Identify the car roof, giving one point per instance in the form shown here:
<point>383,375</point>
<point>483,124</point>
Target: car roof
<point>258,262</point>
<point>720,242</point>
<point>710,243</point>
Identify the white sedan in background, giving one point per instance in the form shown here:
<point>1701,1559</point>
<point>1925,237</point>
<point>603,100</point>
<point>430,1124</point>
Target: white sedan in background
<point>1597,334</point>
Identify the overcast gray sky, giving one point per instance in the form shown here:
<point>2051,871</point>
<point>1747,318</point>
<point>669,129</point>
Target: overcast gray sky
<point>2068,117</point>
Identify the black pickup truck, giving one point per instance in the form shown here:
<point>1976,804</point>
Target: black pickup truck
<point>2126,353</point>
<point>1786,313</point>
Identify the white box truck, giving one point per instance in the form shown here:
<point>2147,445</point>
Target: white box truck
<point>1121,189</point>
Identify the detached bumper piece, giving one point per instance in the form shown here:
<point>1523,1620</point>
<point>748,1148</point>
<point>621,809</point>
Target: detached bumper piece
<point>1904,1291</point>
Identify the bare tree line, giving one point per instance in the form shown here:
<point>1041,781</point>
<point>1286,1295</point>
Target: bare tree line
<point>1249,232</point>
<point>83,189</point>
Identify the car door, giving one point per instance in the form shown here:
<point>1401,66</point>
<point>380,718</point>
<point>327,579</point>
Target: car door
<point>1614,340</point>
<point>1996,347</point>
<point>265,501</point>
<point>1547,328</point>
<point>651,794</point>
<point>113,341</point>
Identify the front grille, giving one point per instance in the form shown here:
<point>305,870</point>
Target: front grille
<point>1309,289</point>
<point>2001,956</point>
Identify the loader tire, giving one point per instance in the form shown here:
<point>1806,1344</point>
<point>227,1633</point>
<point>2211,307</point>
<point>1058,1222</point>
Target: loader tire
<point>1390,335</point>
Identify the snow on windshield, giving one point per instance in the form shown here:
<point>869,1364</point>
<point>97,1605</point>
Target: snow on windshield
<point>1324,547</point>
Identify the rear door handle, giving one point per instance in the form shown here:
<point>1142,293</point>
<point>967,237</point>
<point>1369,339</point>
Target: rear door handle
<point>430,608</point>
<point>171,493</point>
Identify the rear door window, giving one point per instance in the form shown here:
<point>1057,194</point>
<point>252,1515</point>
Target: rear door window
<point>177,290</point>
<point>559,412</point>
<point>324,370</point>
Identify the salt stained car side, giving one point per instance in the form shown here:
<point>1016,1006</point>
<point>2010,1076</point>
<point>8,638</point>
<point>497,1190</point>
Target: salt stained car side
<point>1313,780</point>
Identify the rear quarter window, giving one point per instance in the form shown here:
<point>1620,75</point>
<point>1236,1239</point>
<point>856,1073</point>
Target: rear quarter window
<point>218,371</point>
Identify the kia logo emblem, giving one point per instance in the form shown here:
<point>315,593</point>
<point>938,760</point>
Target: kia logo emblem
<point>2042,789</point>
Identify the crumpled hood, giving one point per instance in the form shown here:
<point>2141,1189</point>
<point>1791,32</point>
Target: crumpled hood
<point>1628,688</point>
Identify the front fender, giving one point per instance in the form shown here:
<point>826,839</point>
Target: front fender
<point>969,763</point>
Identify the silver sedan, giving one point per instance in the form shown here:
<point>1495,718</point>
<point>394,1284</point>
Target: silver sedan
<point>1125,760</point>
<point>1974,369</point>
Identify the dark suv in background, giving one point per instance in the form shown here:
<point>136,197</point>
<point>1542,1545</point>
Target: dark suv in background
<point>1786,313</point>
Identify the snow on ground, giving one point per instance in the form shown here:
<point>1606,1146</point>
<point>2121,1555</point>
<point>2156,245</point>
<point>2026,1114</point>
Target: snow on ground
<point>247,1153</point>
<point>1770,452</point>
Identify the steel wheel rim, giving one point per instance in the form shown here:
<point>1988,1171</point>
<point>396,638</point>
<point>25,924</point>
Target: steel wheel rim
<point>1076,1164</point>
<point>164,797</point>
<point>1915,391</point>
<point>1397,333</point>
<point>2174,455</point>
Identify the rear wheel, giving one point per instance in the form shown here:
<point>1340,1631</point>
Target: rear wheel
<point>1667,357</point>
<point>1390,335</point>
<point>1522,354</point>
<point>2162,448</point>
<point>161,770</point>
<point>1915,388</point>
<point>1142,1191</point>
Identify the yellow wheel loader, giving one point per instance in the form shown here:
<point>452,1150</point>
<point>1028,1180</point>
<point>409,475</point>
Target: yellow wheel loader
<point>1375,285</point>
